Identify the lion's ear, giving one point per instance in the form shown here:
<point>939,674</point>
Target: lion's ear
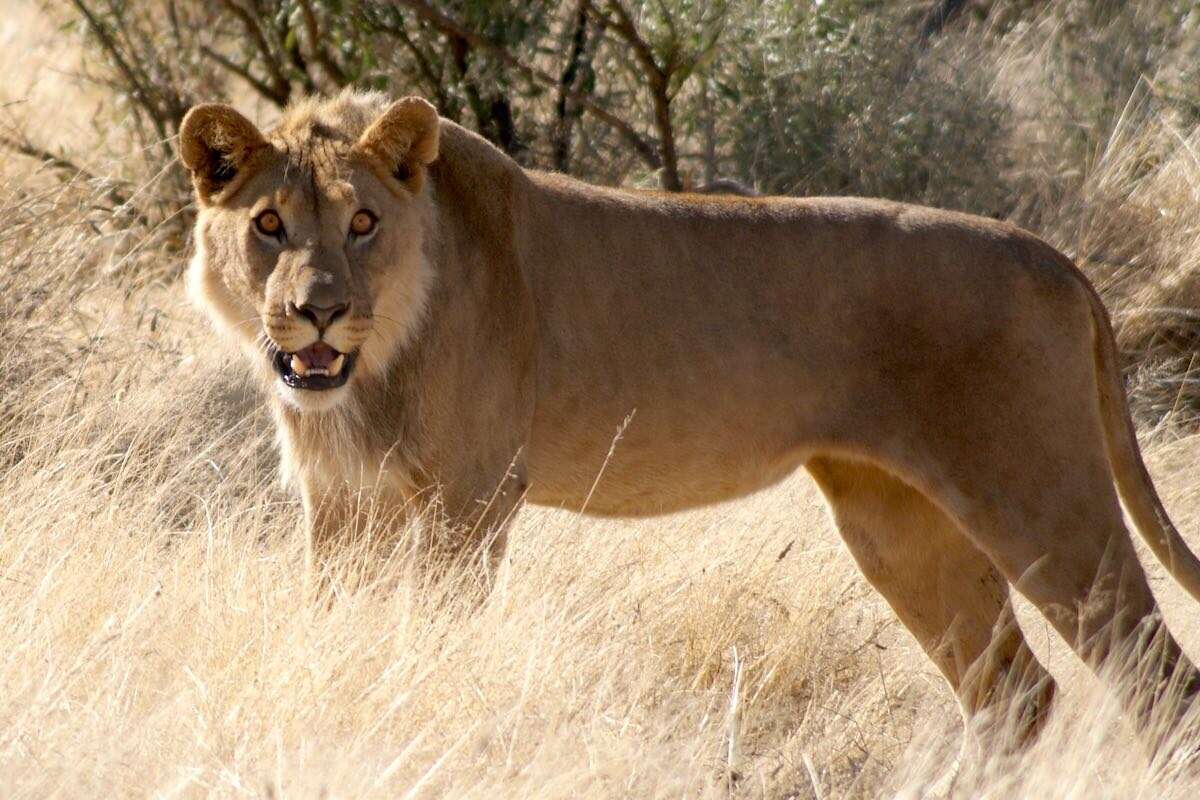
<point>403,141</point>
<point>215,144</point>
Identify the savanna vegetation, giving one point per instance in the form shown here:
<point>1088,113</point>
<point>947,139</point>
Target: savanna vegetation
<point>158,636</point>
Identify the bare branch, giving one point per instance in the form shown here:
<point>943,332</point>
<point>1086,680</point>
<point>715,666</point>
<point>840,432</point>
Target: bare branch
<point>117,191</point>
<point>433,77</point>
<point>566,106</point>
<point>331,67</point>
<point>423,64</point>
<point>282,87</point>
<point>132,77</point>
<point>244,73</point>
<point>446,25</point>
<point>48,158</point>
<point>625,27</point>
<point>658,81</point>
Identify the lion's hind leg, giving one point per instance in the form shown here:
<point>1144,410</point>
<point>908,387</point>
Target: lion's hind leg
<point>946,592</point>
<point>1058,534</point>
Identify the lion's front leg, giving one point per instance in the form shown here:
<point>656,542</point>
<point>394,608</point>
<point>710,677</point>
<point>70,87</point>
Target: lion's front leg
<point>329,517</point>
<point>460,521</point>
<point>344,522</point>
<point>469,518</point>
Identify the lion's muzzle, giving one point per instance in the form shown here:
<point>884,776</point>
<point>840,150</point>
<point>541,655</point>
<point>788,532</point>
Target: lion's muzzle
<point>317,367</point>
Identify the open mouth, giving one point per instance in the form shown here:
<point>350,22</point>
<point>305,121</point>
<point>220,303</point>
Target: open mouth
<point>316,368</point>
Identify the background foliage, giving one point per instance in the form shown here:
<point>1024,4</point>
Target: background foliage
<point>898,99</point>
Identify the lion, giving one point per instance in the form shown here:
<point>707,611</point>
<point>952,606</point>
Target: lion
<point>445,329</point>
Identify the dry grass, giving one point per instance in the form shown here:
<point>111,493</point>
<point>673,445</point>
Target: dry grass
<point>158,635</point>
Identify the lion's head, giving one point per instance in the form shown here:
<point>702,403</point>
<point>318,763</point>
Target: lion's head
<point>309,237</point>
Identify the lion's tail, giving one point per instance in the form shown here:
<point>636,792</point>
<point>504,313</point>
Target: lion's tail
<point>1133,480</point>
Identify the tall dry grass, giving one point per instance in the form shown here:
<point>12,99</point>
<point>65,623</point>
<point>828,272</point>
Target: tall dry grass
<point>158,635</point>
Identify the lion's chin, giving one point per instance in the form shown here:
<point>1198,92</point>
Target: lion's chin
<point>309,402</point>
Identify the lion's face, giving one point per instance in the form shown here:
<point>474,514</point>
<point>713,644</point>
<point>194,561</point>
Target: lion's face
<point>309,242</point>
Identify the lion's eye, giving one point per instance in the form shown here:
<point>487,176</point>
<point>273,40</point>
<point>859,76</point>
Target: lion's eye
<point>269,224</point>
<point>362,223</point>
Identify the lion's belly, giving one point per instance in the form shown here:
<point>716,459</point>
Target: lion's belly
<point>625,492</point>
<point>646,464</point>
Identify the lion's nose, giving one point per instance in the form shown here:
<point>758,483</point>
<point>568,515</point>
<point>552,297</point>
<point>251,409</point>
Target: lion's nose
<point>321,316</point>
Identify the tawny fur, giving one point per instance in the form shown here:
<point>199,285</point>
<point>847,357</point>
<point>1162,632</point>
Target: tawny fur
<point>949,381</point>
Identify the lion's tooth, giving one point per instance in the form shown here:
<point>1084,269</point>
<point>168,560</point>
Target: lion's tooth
<point>298,366</point>
<point>335,367</point>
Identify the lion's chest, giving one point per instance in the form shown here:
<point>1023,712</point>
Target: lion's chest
<point>340,460</point>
